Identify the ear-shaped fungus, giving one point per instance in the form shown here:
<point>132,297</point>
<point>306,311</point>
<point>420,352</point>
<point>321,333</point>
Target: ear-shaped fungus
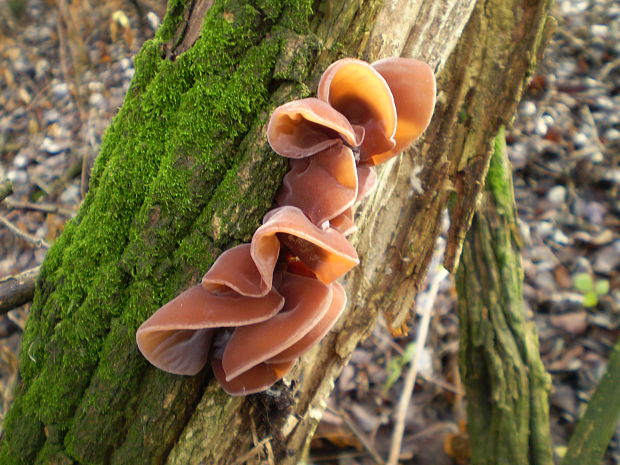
<point>177,337</point>
<point>360,93</point>
<point>322,186</point>
<point>257,355</point>
<point>326,253</point>
<point>321,328</point>
<point>256,379</point>
<point>237,271</point>
<point>412,83</point>
<point>271,300</point>
<point>306,302</point>
<point>305,127</point>
<point>366,181</point>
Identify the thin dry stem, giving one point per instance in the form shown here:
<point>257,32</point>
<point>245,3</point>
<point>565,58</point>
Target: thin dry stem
<point>405,398</point>
<point>37,242</point>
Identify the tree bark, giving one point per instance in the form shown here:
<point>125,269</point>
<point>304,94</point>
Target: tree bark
<point>505,380</point>
<point>185,173</point>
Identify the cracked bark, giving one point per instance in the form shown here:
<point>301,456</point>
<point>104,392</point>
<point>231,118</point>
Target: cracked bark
<point>505,380</point>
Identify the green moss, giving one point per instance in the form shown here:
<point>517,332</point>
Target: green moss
<point>499,177</point>
<point>181,155</point>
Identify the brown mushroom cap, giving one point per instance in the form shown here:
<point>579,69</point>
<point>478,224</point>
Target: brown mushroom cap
<point>318,332</point>
<point>305,127</point>
<point>360,93</point>
<point>176,337</point>
<point>412,83</point>
<point>344,223</point>
<point>367,180</point>
<point>306,302</point>
<point>236,272</point>
<point>254,380</point>
<point>322,186</point>
<point>326,253</point>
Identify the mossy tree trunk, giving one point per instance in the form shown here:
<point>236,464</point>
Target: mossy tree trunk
<point>505,381</point>
<point>185,173</point>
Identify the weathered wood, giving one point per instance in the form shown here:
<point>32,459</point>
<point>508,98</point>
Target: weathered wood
<point>185,172</point>
<point>16,290</point>
<point>505,380</point>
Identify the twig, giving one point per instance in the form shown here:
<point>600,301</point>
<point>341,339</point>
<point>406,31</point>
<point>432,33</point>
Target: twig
<point>270,455</point>
<point>41,207</point>
<point>17,290</point>
<point>360,435</point>
<point>405,398</point>
<point>252,452</point>
<point>608,68</point>
<point>6,189</point>
<point>597,138</point>
<point>337,456</point>
<point>24,235</point>
<point>444,385</point>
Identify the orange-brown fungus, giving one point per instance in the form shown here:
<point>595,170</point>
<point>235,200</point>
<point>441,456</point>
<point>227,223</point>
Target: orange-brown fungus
<point>266,303</point>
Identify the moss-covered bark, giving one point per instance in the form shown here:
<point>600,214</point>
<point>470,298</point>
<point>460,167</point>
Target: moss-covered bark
<point>180,178</point>
<point>185,173</point>
<point>505,380</point>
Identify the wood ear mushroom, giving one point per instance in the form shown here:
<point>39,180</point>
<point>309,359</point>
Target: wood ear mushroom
<point>264,304</point>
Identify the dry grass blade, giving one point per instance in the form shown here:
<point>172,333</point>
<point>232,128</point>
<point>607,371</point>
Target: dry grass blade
<point>361,436</point>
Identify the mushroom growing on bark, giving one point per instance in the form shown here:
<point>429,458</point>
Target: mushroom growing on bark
<point>266,303</point>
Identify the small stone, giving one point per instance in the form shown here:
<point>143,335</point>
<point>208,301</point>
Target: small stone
<point>518,155</point>
<point>97,100</point>
<point>580,139</point>
<point>18,176</point>
<point>541,127</point>
<point>41,68</point>
<point>23,65</point>
<point>71,195</point>
<point>607,259</point>
<point>20,161</point>
<point>595,212</point>
<point>557,194</point>
<point>548,119</point>
<point>60,90</point>
<point>612,176</point>
<point>612,134</point>
<point>153,20</point>
<point>51,116</point>
<point>125,63</point>
<point>600,30</point>
<point>528,108</point>
<point>560,238</point>
<point>604,103</point>
<point>50,146</point>
<point>96,86</point>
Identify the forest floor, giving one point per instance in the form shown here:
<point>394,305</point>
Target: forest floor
<point>64,74</point>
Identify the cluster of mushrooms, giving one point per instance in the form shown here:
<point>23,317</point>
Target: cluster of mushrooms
<point>264,304</point>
